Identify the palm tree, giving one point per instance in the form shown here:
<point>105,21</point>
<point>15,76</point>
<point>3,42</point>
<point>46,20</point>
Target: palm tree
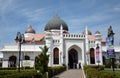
<point>41,63</point>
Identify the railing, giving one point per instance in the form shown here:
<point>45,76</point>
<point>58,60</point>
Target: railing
<point>73,36</point>
<point>15,47</point>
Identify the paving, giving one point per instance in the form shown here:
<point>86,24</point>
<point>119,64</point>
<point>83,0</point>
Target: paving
<point>72,73</point>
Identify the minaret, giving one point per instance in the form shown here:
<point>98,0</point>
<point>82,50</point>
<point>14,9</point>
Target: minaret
<point>49,44</point>
<point>87,45</point>
<point>61,45</point>
<point>98,48</point>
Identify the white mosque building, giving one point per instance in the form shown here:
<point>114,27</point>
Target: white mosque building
<point>64,48</point>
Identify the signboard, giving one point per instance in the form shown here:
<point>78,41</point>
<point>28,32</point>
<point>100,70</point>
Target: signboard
<point>26,63</point>
<point>110,49</point>
<point>110,53</point>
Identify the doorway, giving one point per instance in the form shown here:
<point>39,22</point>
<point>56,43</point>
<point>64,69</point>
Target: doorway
<point>73,59</point>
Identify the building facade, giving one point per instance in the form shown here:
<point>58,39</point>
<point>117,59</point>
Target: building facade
<point>72,50</point>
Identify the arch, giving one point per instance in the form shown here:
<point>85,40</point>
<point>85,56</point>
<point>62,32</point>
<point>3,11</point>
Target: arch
<point>12,61</point>
<point>74,56</point>
<point>27,57</point>
<point>56,56</point>
<point>92,56</point>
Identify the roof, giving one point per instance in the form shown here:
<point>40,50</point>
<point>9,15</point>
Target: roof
<point>30,30</point>
<point>89,32</point>
<point>103,40</point>
<point>55,23</point>
<point>91,38</point>
<point>37,37</point>
<point>97,32</point>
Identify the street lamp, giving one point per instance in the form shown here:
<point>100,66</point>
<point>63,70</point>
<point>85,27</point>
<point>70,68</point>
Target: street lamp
<point>110,45</point>
<point>19,39</point>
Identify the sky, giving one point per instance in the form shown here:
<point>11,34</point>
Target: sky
<point>97,15</point>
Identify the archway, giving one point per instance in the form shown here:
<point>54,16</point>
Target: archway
<point>73,58</point>
<point>92,56</point>
<point>12,61</point>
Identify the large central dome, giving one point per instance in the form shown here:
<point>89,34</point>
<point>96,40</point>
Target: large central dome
<point>55,23</point>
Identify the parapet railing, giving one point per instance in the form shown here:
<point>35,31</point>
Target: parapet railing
<point>73,36</point>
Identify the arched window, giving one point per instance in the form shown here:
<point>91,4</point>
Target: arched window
<point>12,61</point>
<point>27,57</point>
<point>56,56</point>
<point>92,56</point>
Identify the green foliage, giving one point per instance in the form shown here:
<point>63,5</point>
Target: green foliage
<point>41,63</point>
<point>16,74</point>
<point>30,73</point>
<point>94,73</point>
<point>100,67</point>
<point>55,70</point>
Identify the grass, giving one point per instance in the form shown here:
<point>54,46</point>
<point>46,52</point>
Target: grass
<point>116,72</point>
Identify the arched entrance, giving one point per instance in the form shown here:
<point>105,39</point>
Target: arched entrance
<point>92,56</point>
<point>73,58</point>
<point>12,61</point>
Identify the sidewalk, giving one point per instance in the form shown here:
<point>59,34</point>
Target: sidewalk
<point>72,73</point>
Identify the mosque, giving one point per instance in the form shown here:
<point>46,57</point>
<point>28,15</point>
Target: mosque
<point>72,50</point>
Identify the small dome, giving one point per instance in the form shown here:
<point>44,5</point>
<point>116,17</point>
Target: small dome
<point>97,32</point>
<point>30,30</point>
<point>89,32</point>
<point>55,23</point>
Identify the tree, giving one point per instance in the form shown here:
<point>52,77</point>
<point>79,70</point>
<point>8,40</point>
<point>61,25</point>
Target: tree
<point>41,62</point>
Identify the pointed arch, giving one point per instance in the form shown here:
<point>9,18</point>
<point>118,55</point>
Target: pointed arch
<point>74,56</point>
<point>92,56</point>
<point>56,56</point>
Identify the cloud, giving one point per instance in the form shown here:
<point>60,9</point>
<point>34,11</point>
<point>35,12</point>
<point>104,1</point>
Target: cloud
<point>33,15</point>
<point>6,5</point>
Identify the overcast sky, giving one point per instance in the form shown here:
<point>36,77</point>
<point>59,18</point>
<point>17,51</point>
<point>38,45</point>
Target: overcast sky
<point>17,15</point>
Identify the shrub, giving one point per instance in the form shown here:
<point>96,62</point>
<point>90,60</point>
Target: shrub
<point>100,67</point>
<point>92,72</point>
<point>55,70</point>
<point>22,74</point>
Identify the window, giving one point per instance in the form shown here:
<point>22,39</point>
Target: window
<point>27,57</point>
<point>56,56</point>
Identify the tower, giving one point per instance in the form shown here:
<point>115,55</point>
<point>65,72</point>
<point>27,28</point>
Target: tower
<point>87,46</point>
<point>98,49</point>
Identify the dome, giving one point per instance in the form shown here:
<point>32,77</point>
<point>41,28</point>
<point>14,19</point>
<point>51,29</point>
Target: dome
<point>97,32</point>
<point>89,32</point>
<point>30,30</point>
<point>55,23</point>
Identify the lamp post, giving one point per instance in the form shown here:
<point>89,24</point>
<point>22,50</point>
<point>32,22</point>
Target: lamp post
<point>19,39</point>
<point>110,46</point>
